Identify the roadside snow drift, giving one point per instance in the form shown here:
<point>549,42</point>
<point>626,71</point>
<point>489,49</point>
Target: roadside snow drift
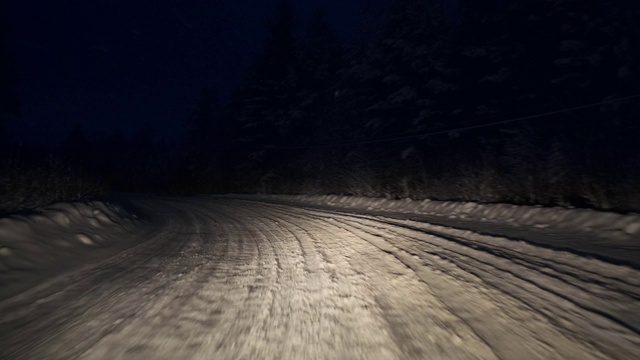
<point>607,236</point>
<point>57,238</point>
<point>603,224</point>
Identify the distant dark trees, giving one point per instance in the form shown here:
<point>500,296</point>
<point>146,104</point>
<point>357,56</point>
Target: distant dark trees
<point>528,102</point>
<point>285,101</point>
<point>76,144</point>
<point>141,162</point>
<point>320,57</point>
<point>205,148</point>
<point>405,74</point>
<point>35,176</point>
<point>262,107</point>
<point>532,57</point>
<point>360,119</point>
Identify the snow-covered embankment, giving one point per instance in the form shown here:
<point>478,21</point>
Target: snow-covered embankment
<point>59,237</point>
<point>608,224</point>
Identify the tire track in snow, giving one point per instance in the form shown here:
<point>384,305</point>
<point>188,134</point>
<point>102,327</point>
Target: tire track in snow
<point>581,291</point>
<point>614,341</point>
<point>182,324</point>
<point>337,305</point>
<point>569,348</point>
<point>323,317</point>
<point>491,336</point>
<point>419,323</point>
<point>618,278</point>
<point>581,277</point>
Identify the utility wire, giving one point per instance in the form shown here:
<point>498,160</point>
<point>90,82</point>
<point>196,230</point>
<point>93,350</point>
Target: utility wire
<point>397,138</point>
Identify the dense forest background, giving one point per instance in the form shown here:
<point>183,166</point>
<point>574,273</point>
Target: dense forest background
<point>525,102</point>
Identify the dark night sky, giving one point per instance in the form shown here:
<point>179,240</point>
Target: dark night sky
<point>117,64</point>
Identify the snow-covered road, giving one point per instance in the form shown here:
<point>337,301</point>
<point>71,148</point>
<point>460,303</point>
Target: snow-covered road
<point>236,279</point>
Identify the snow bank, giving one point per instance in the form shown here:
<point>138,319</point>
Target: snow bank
<point>58,236</point>
<point>606,225</point>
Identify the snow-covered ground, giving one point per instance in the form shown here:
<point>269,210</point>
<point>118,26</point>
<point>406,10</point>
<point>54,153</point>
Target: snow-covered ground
<point>610,236</point>
<point>224,278</point>
<point>58,238</point>
<point>63,236</point>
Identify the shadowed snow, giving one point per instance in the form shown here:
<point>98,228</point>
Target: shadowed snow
<point>58,237</point>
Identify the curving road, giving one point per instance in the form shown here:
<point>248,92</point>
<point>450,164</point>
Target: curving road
<point>232,279</point>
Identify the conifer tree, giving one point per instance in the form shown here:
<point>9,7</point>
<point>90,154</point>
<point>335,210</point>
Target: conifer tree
<point>320,59</point>
<point>402,77</point>
<point>264,109</point>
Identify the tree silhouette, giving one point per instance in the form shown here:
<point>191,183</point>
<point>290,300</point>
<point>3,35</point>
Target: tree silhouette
<point>320,58</point>
<point>265,107</point>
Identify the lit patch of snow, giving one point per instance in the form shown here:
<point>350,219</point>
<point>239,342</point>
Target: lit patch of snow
<point>5,251</point>
<point>85,239</point>
<point>61,218</point>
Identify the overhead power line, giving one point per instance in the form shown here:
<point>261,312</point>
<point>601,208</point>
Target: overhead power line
<point>471,127</point>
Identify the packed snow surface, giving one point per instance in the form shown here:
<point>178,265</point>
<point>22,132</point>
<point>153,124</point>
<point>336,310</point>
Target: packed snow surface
<point>260,278</point>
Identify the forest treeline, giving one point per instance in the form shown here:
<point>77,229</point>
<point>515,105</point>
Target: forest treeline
<point>525,102</point>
